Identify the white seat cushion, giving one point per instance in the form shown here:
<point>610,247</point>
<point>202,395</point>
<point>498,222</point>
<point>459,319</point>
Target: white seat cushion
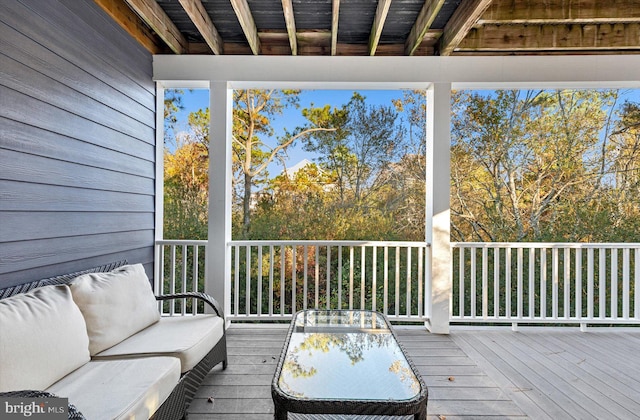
<point>43,337</point>
<point>120,389</point>
<point>115,305</point>
<point>187,337</point>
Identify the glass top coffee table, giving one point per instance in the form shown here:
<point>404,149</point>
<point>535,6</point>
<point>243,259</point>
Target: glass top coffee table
<point>346,362</point>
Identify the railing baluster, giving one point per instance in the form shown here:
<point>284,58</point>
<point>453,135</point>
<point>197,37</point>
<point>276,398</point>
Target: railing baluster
<point>554,283</point>
<point>397,297</point>
<point>340,277</point>
<point>374,285</point>
<point>496,282</point>
<point>461,297</point>
<point>350,277</point>
<point>614,283</point>
<point>474,293</point>
<point>625,283</point>
<point>386,280</point>
<point>420,279</point>
<point>172,284</point>
<point>247,280</point>
<point>603,283</point>
<point>259,283</point>
<point>485,283</point>
<point>532,281</point>
<point>578,280</point>
<point>195,280</point>
<point>408,281</point>
<point>316,264</point>
<point>636,286</point>
<point>328,275</point>
<point>543,283</point>
<point>283,265</point>
<point>305,290</point>
<point>520,290</point>
<point>567,283</point>
<point>236,282</point>
<point>363,269</point>
<point>183,286</point>
<point>590,283</point>
<point>294,278</point>
<point>271,258</point>
<point>507,287</point>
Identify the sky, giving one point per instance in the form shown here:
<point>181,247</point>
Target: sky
<point>196,99</point>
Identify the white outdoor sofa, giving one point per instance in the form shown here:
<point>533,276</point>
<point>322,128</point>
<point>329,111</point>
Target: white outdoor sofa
<point>97,338</point>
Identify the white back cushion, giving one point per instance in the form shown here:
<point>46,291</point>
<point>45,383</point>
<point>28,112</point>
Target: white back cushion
<point>115,305</point>
<point>43,337</point>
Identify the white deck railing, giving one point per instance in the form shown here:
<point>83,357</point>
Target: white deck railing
<point>274,279</point>
<point>517,283</point>
<point>549,283</point>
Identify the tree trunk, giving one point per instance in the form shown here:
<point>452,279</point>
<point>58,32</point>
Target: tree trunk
<point>246,206</point>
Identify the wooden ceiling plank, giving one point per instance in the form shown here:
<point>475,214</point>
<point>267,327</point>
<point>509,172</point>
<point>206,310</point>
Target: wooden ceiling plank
<point>461,22</point>
<point>243,13</point>
<point>531,38</point>
<point>561,11</point>
<point>200,18</point>
<point>378,24</point>
<point>289,18</point>
<point>122,14</point>
<point>335,15</point>
<point>422,24</point>
<point>153,15</point>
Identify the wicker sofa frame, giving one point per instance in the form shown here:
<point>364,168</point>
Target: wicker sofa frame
<point>176,405</point>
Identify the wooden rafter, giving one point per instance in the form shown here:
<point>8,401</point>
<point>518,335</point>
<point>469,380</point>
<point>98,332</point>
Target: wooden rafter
<point>290,20</point>
<point>378,25</point>
<point>335,15</point>
<point>200,18</point>
<point>424,21</point>
<point>122,14</point>
<point>241,7</point>
<point>463,19</point>
<point>544,38</point>
<point>153,15</point>
<point>561,12</point>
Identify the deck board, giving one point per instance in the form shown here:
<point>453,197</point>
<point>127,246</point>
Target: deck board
<point>489,373</point>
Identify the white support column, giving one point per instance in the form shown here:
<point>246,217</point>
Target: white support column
<point>218,265</point>
<point>438,204</point>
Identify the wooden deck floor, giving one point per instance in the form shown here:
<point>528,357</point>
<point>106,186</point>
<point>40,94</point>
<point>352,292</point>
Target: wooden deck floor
<point>471,373</point>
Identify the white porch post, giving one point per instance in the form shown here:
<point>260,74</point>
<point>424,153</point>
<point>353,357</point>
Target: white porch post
<point>218,268</point>
<point>437,208</point>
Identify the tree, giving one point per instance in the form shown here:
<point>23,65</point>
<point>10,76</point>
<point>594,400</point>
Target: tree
<point>525,163</point>
<point>252,113</point>
<point>360,151</point>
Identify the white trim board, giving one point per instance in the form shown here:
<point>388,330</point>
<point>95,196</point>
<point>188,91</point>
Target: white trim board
<point>312,72</point>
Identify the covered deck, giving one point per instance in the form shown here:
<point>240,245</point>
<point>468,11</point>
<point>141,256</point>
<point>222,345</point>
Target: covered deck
<point>488,373</point>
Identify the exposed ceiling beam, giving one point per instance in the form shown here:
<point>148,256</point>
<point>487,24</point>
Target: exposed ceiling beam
<point>290,20</point>
<point>335,15</point>
<point>561,11</point>
<point>122,14</point>
<point>424,21</point>
<point>200,18</point>
<point>241,7</point>
<point>378,25</point>
<point>461,22</point>
<point>513,38</point>
<point>157,19</point>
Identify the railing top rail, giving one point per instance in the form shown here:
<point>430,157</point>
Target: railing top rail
<point>330,243</point>
<point>181,242</point>
<point>549,245</point>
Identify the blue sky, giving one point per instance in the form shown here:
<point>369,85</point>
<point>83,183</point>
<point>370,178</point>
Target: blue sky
<point>199,99</point>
